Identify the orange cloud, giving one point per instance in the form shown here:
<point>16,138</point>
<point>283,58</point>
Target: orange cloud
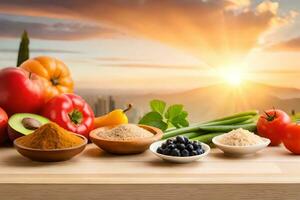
<point>54,31</point>
<point>288,45</point>
<point>218,31</point>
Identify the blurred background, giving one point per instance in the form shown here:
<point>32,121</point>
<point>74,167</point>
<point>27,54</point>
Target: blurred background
<point>215,57</point>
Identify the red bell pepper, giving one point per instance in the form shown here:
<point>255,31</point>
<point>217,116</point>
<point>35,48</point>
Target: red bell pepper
<point>71,112</point>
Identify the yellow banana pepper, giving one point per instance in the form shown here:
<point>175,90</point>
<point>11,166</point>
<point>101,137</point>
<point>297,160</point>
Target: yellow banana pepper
<point>115,117</point>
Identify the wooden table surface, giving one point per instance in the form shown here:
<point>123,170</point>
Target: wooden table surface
<point>273,173</point>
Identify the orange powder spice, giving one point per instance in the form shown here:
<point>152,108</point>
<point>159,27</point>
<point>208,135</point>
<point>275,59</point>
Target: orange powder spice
<point>50,136</point>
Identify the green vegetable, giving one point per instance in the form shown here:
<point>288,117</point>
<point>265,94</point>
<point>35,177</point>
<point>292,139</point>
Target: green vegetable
<point>206,138</point>
<point>158,106</point>
<point>23,49</point>
<point>193,134</point>
<point>174,116</point>
<point>230,121</point>
<point>214,126</point>
<point>251,113</point>
<point>249,127</point>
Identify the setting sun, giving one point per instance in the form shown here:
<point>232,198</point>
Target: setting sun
<point>232,76</point>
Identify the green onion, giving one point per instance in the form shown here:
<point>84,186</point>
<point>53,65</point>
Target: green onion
<point>230,121</point>
<point>242,114</point>
<point>192,134</point>
<point>249,127</point>
<point>206,138</point>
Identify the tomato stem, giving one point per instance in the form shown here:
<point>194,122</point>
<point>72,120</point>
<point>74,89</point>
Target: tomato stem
<point>271,117</point>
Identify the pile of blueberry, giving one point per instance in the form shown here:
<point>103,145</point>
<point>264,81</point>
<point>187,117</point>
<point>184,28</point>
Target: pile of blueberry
<point>180,146</point>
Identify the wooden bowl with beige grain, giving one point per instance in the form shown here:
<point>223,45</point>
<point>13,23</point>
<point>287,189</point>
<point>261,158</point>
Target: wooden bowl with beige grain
<point>123,147</point>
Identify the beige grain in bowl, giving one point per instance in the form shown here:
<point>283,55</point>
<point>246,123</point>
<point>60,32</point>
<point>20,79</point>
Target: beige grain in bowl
<point>240,142</point>
<point>125,132</point>
<point>125,139</point>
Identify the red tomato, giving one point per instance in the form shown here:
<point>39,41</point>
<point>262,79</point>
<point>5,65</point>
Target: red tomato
<point>272,125</point>
<point>3,126</point>
<point>291,138</point>
<point>71,112</point>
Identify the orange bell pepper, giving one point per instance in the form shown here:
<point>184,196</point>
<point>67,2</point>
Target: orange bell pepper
<point>55,74</point>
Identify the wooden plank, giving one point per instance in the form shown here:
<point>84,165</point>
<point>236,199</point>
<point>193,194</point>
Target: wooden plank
<point>150,191</point>
<point>272,165</point>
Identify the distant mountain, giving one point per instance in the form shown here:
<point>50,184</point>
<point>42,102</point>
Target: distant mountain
<point>217,100</point>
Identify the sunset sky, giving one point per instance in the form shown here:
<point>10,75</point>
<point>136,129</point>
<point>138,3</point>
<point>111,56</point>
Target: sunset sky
<point>167,44</point>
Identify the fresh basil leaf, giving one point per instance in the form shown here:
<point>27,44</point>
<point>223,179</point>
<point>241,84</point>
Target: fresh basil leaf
<point>173,111</point>
<point>181,123</point>
<point>180,120</point>
<point>154,119</point>
<point>158,106</point>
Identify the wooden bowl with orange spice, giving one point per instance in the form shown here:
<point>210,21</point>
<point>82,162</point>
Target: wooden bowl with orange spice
<point>50,143</point>
<point>126,138</point>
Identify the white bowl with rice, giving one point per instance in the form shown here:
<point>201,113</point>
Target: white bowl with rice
<point>240,142</point>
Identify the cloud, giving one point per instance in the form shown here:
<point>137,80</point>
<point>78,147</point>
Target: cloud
<point>152,66</point>
<point>54,31</point>
<point>118,59</point>
<point>35,50</point>
<point>238,4</point>
<point>220,32</point>
<point>288,45</point>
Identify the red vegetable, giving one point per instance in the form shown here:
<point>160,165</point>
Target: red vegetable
<point>272,125</point>
<point>71,112</point>
<point>291,138</point>
<point>20,91</point>
<point>3,126</point>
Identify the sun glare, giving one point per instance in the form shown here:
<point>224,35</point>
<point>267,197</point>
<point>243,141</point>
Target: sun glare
<point>233,76</point>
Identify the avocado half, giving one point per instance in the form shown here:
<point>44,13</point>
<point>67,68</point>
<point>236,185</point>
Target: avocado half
<point>21,124</point>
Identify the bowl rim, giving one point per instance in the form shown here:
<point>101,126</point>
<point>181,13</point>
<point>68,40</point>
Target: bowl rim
<point>262,145</point>
<point>158,135</point>
<point>85,141</point>
<point>207,147</point>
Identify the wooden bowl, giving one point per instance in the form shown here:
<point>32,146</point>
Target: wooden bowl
<point>122,147</point>
<point>51,155</point>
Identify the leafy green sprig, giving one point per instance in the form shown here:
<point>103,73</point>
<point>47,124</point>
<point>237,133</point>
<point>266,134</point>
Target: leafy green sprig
<point>164,118</point>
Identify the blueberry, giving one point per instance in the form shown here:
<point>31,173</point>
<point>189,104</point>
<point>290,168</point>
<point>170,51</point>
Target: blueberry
<point>186,140</point>
<point>190,147</point>
<point>175,152</point>
<point>180,139</point>
<point>169,141</point>
<point>195,153</point>
<point>196,145</point>
<point>184,153</point>
<point>200,151</point>
<point>171,146</point>
<point>166,151</point>
<point>159,150</point>
<point>164,145</point>
<point>180,146</point>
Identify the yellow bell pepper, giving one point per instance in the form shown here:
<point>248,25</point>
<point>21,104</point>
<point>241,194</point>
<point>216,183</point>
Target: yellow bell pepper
<point>115,117</point>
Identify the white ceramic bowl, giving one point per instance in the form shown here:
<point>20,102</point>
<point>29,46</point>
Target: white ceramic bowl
<point>153,147</point>
<point>240,150</point>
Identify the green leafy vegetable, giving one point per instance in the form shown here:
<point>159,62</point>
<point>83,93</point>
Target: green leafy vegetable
<point>174,116</point>
<point>154,119</point>
<point>158,106</point>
